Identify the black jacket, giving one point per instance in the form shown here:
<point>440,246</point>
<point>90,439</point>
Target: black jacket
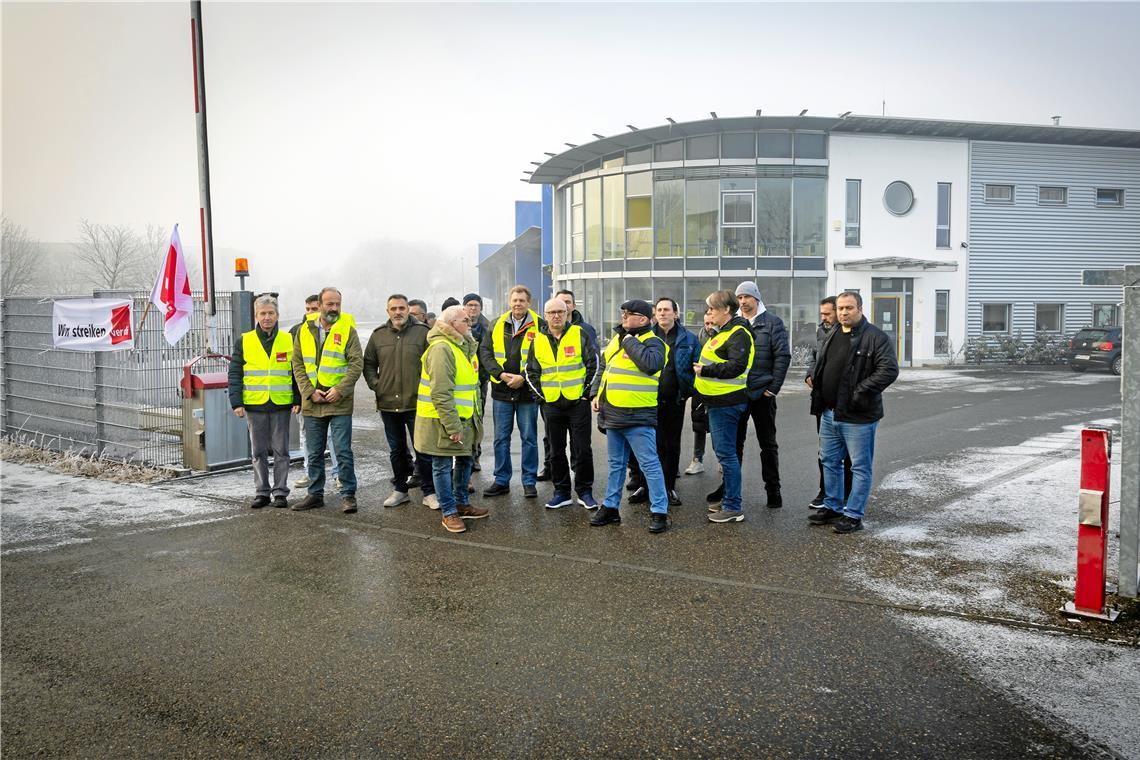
<point>576,319</point>
<point>773,355</point>
<point>871,367</point>
<point>587,350</point>
<point>649,357</point>
<point>734,359</point>
<point>513,364</point>
<point>236,375</point>
<point>822,330</point>
<point>481,327</point>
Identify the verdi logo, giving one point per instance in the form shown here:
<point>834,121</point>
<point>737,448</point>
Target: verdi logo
<point>120,324</point>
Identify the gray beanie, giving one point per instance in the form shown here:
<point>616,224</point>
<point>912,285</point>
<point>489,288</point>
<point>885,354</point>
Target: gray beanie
<point>749,289</point>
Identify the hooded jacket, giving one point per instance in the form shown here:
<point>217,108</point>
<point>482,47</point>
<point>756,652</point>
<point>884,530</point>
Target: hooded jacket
<point>871,367</point>
<point>392,364</point>
<point>432,434</point>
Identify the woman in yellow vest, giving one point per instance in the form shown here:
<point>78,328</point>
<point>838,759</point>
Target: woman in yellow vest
<point>722,381</point>
<point>446,424</point>
<point>262,390</point>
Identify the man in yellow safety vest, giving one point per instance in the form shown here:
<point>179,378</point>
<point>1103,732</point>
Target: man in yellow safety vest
<point>262,390</point>
<point>327,361</point>
<point>560,371</point>
<point>504,352</point>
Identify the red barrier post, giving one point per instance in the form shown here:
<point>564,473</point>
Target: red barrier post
<point>1092,529</point>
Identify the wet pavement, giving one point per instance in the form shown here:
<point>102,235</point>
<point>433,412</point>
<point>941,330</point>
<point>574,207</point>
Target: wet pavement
<point>222,631</point>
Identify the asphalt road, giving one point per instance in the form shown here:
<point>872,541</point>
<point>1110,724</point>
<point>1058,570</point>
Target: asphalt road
<point>274,633</point>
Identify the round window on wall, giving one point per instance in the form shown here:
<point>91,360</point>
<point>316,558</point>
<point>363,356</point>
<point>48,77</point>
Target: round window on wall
<point>898,198</point>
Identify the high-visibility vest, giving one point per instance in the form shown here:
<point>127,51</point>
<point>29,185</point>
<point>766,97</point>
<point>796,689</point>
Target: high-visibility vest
<point>466,383</point>
<point>499,343</point>
<point>332,366</point>
<point>720,386</point>
<point>564,372</point>
<point>624,384</point>
<point>267,377</point>
<point>310,316</point>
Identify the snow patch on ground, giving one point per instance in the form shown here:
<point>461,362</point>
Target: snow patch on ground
<point>1017,517</point>
<point>1089,685</point>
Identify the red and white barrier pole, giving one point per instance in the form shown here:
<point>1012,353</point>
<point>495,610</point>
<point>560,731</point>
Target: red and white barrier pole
<point>1092,530</point>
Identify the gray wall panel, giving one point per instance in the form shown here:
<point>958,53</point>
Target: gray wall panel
<point>1026,253</point>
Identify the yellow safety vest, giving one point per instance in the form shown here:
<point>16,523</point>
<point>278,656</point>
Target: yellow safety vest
<point>563,374</point>
<point>624,384</point>
<point>466,383</point>
<point>499,343</point>
<point>720,386</point>
<point>332,366</point>
<point>267,377</point>
<point>315,314</point>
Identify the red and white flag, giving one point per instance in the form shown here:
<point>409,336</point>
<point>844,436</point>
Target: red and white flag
<point>172,292</point>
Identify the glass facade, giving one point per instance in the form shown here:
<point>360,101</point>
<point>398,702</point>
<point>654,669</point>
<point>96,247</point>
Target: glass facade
<point>666,227</point>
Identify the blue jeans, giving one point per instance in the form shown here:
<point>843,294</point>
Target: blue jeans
<point>399,428</point>
<point>319,431</point>
<point>724,422</point>
<point>643,441</point>
<point>839,439</point>
<point>506,412</point>
<point>451,491</point>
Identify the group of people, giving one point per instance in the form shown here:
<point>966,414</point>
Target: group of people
<point>431,384</point>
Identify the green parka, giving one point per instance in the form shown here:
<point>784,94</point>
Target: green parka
<point>433,434</point>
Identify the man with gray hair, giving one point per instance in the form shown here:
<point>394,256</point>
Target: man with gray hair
<point>263,392</point>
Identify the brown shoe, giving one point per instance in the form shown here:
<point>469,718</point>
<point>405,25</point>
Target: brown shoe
<point>312,501</point>
<point>349,505</point>
<point>468,512</point>
<point>454,523</point>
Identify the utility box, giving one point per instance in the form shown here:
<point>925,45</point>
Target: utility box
<point>212,435</point>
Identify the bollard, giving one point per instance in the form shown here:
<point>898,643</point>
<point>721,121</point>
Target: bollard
<point>1092,528</point>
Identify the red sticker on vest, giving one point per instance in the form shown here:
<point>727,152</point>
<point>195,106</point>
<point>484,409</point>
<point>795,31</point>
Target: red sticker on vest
<point>280,356</point>
<point>714,341</point>
<point>530,335</point>
<point>624,355</point>
<point>336,338</point>
<point>568,350</point>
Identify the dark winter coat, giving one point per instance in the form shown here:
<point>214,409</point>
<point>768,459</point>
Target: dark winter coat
<point>588,350</point>
<point>822,330</point>
<point>236,375</point>
<point>392,364</point>
<point>871,367</point>
<point>481,327</point>
<point>733,354</point>
<point>576,319</point>
<point>684,349</point>
<point>649,357</point>
<point>513,364</point>
<point>773,355</point>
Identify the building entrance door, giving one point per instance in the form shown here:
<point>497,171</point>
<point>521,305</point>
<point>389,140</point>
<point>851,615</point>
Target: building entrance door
<point>891,309</point>
<point>886,318</point>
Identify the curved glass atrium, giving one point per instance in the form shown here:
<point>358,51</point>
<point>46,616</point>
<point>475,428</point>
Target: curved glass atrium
<point>684,217</point>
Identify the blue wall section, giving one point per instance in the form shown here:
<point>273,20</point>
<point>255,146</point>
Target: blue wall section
<point>527,214</point>
<point>486,249</point>
<point>548,225</point>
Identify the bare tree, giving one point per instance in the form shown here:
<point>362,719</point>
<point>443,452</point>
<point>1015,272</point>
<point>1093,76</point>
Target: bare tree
<point>112,255</point>
<point>21,261</point>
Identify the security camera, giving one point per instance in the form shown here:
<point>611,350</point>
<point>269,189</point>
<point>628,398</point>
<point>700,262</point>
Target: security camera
<point>964,245</point>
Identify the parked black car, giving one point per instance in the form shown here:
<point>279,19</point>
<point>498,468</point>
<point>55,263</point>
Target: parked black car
<point>1097,347</point>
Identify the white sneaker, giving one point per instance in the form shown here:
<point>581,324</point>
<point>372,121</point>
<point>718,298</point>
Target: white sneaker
<point>302,481</point>
<point>431,502</point>
<point>396,499</point>
<point>695,466</point>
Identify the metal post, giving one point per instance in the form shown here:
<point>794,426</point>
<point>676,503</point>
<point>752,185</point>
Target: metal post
<point>205,216</point>
<point>1129,557</point>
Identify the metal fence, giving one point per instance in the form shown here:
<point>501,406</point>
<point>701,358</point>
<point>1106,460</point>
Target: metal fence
<point>122,405</point>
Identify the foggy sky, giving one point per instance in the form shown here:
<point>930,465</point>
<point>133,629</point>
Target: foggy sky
<point>399,132</point>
